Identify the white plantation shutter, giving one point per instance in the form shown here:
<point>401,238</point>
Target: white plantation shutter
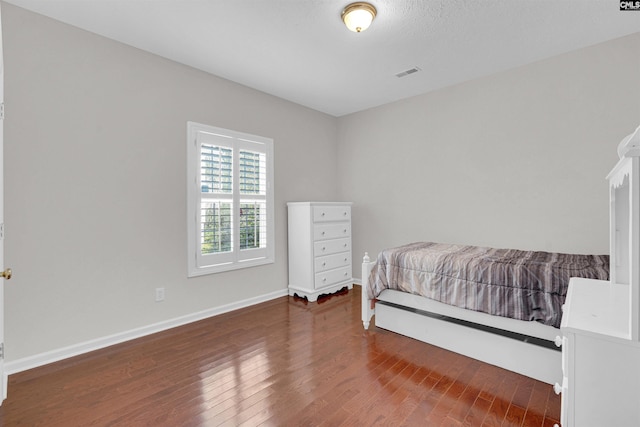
<point>230,200</point>
<point>252,172</point>
<point>215,220</point>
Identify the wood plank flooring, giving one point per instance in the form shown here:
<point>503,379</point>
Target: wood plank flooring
<point>285,362</point>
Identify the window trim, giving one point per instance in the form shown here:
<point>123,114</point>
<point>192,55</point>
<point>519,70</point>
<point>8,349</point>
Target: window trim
<point>237,140</point>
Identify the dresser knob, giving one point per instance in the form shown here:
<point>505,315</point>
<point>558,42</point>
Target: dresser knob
<point>322,214</point>
<point>345,214</point>
<point>324,280</point>
<point>558,341</point>
<point>324,248</point>
<point>324,264</point>
<point>557,388</point>
<point>345,230</point>
<point>323,233</point>
<point>345,260</point>
<point>345,273</point>
<point>345,245</point>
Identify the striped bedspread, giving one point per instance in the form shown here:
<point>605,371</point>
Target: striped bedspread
<point>524,285</point>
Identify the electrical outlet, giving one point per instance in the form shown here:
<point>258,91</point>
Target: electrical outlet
<point>159,294</point>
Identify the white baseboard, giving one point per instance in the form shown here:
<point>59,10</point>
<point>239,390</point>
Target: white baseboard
<point>56,355</point>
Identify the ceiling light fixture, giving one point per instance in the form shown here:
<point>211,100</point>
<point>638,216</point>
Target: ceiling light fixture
<point>358,16</point>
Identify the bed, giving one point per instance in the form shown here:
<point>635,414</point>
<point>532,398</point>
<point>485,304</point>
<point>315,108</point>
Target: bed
<point>500,306</point>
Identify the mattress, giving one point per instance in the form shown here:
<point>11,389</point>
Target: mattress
<point>523,285</point>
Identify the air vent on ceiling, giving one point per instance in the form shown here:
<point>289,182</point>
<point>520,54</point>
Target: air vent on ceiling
<point>407,72</point>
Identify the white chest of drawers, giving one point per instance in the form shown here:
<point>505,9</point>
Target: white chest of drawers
<point>600,363</point>
<point>319,248</point>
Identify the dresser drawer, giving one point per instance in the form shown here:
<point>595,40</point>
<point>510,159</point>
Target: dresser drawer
<point>327,278</point>
<point>327,247</point>
<point>331,213</point>
<point>331,231</point>
<point>330,262</point>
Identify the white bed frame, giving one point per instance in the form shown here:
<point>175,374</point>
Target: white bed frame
<point>439,324</point>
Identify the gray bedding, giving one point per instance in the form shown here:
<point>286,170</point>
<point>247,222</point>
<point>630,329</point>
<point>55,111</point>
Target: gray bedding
<point>524,285</point>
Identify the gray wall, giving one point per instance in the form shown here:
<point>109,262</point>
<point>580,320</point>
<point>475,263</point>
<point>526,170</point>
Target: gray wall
<point>516,159</point>
<point>95,173</point>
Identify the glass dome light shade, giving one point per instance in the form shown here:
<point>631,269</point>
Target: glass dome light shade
<point>358,16</point>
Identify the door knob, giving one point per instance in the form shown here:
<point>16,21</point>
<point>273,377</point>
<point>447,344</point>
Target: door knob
<point>6,274</point>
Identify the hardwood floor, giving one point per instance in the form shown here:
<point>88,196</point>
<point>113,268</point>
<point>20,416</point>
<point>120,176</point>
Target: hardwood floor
<point>285,362</point>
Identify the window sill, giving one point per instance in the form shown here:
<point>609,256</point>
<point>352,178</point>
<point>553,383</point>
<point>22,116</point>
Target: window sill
<point>221,268</point>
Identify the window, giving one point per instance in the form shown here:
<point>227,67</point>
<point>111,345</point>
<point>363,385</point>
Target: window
<point>230,199</point>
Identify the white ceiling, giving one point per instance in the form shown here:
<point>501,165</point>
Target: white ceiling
<point>299,50</point>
